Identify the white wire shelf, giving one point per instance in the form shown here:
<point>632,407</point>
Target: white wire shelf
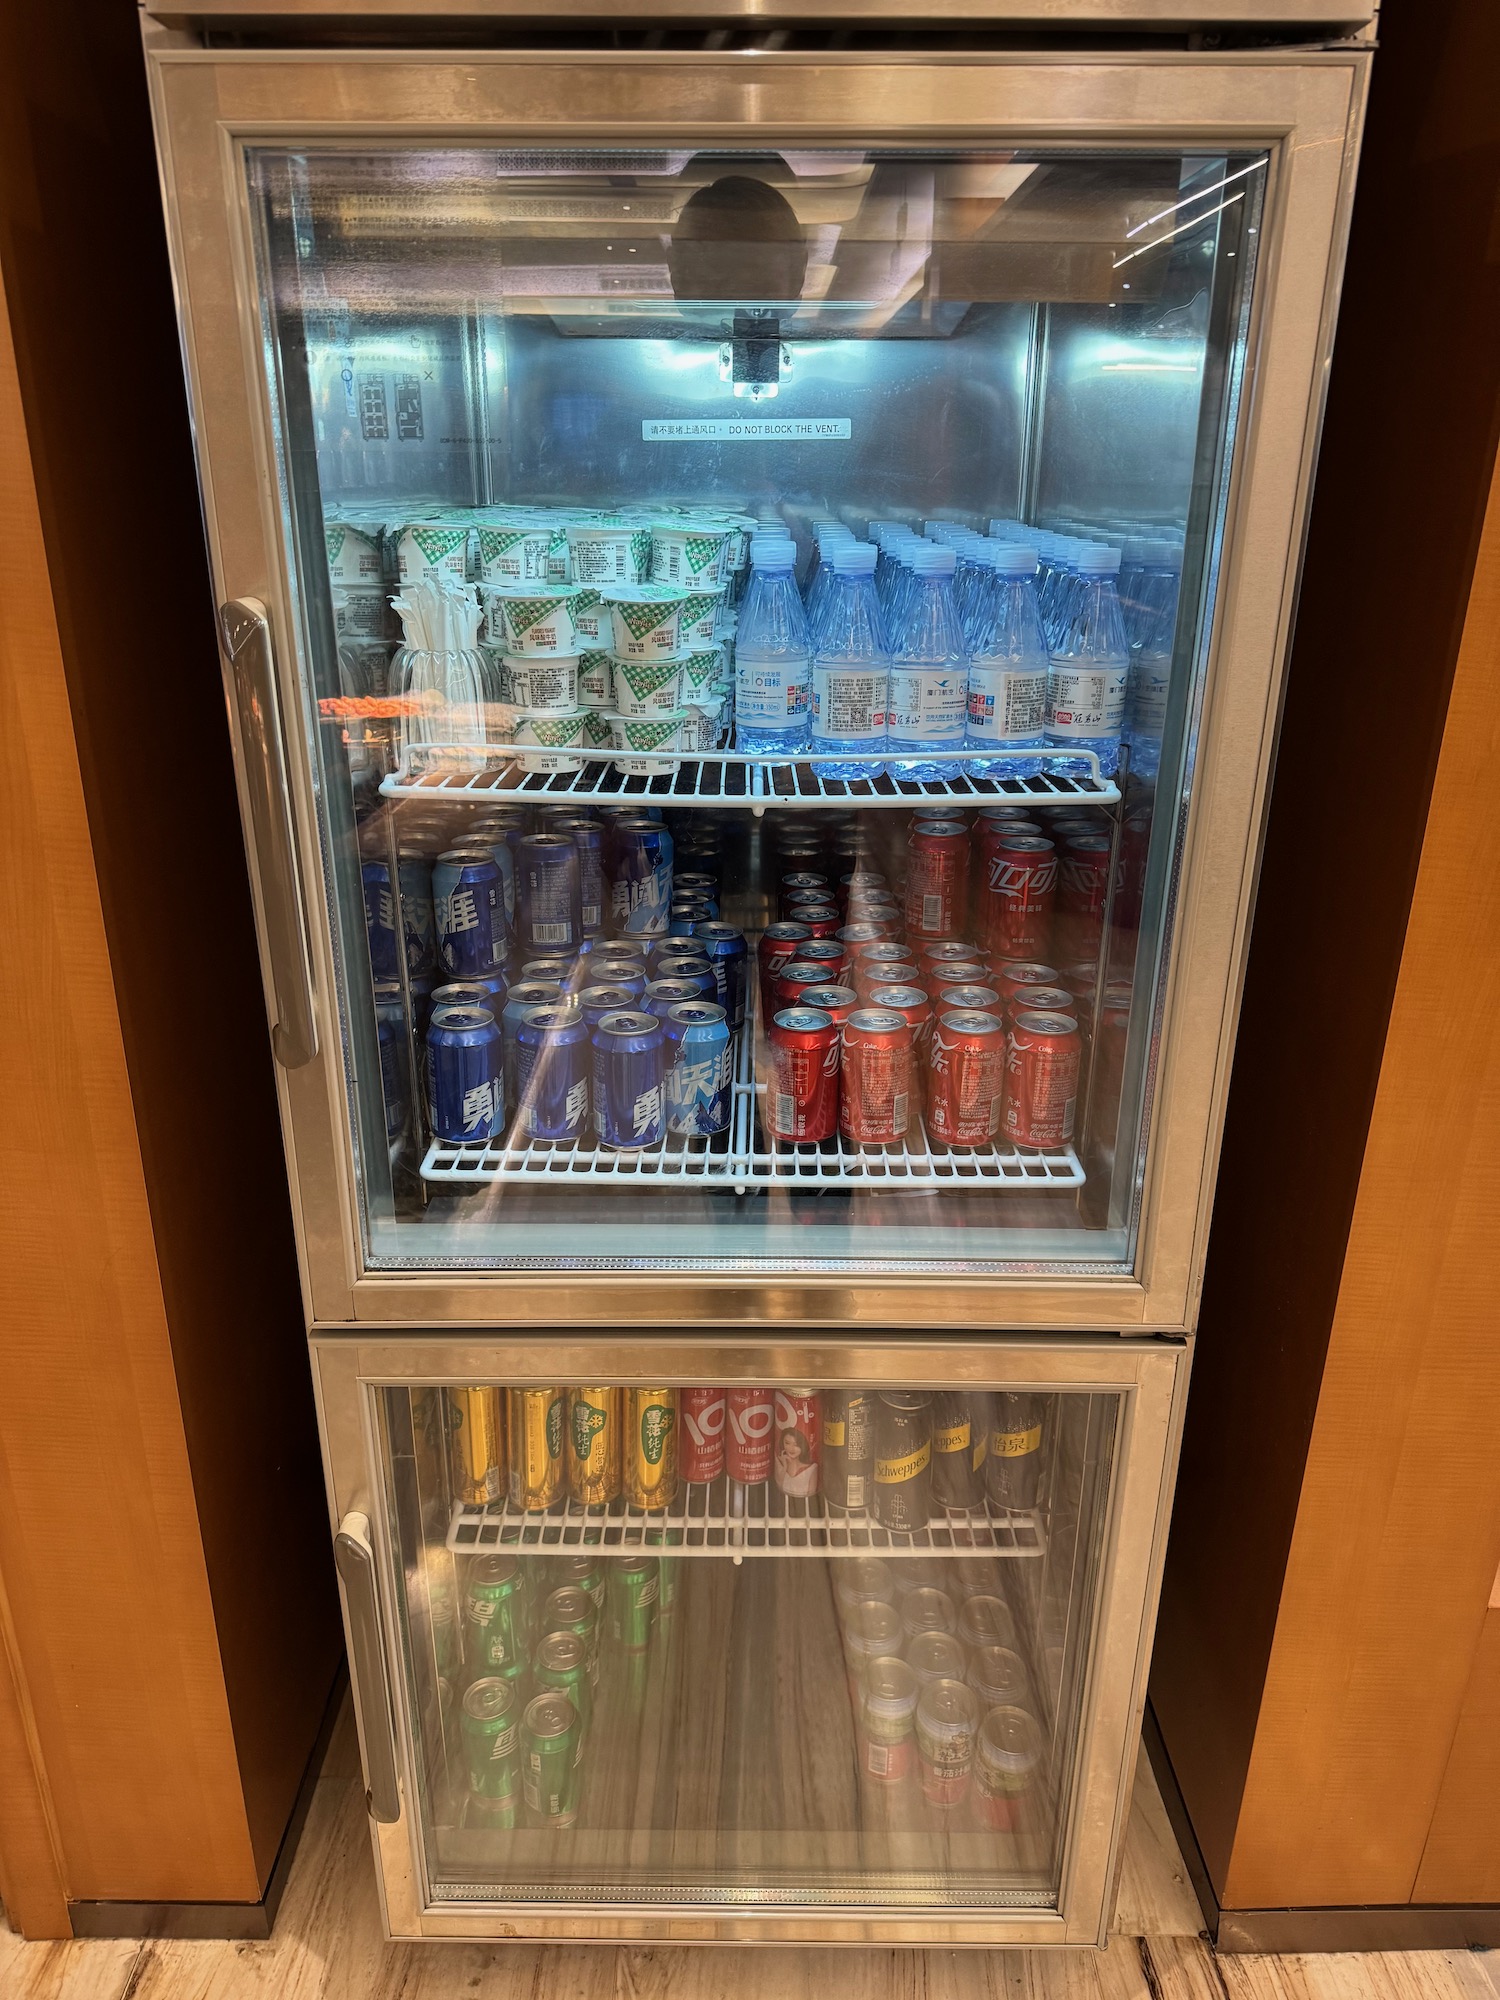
<point>724,1518</point>
<point>742,1159</point>
<point>720,778</point>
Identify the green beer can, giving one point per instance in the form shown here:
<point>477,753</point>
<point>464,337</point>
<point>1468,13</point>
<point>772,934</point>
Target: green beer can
<point>562,1667</point>
<point>572,1610</point>
<point>491,1745</point>
<point>549,1760</point>
<point>583,1573</point>
<point>495,1635</point>
<point>635,1582</point>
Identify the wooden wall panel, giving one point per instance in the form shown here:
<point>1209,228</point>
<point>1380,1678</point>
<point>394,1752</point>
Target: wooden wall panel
<point>1461,1861</point>
<point>1398,1528</point>
<point>99,1546</point>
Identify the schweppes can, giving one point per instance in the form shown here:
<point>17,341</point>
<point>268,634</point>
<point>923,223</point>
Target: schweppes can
<point>538,1467</point>
<point>595,1456</point>
<point>476,1445</point>
<point>650,1447</point>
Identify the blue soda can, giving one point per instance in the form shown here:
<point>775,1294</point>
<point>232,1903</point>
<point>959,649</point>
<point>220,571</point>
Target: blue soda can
<point>684,919</point>
<point>628,1110</point>
<point>414,872</point>
<point>468,912</point>
<point>703,902</point>
<point>597,1001</point>
<point>552,1073</point>
<point>467,993</point>
<point>662,995</point>
<point>692,884</point>
<point>692,966</point>
<point>640,877</point>
<point>724,947</point>
<point>699,1090</point>
<point>380,920</point>
<point>390,1032</point>
<point>493,840</point>
<point>587,835</point>
<point>524,995</point>
<point>612,968</point>
<point>548,893</point>
<point>554,965</point>
<point>465,1080</point>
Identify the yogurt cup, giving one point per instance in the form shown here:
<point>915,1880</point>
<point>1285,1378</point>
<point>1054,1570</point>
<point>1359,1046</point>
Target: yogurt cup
<point>559,562</point>
<point>700,617</point>
<point>702,673</point>
<point>553,737</point>
<point>692,553</point>
<point>514,551</point>
<point>597,734</point>
<point>609,551</point>
<point>424,546</point>
<point>534,622</point>
<point>634,736</point>
<point>544,687</point>
<point>647,687</point>
<point>704,726</point>
<point>596,680</point>
<point>359,610</point>
<point>593,620</point>
<point>648,620</point>
<point>353,555</point>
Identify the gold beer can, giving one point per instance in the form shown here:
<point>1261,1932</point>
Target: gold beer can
<point>594,1454</point>
<point>538,1469</point>
<point>476,1445</point>
<point>650,1447</point>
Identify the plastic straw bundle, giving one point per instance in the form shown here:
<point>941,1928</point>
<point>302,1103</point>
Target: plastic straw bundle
<point>440,669</point>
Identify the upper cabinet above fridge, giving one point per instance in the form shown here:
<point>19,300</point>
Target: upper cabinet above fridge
<point>754,589</point>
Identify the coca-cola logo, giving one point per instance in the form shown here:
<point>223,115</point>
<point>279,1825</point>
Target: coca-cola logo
<point>1013,878</point>
<point>831,1058</point>
<point>752,1423</point>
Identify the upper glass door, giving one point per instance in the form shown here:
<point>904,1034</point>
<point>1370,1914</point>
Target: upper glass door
<point>754,606</point>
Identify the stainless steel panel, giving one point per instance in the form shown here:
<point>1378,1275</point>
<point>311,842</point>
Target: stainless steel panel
<point>1079,14</point>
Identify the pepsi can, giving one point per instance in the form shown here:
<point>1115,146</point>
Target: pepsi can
<point>694,902</point>
<point>465,1081</point>
<point>414,873</point>
<point>390,1032</point>
<point>380,920</point>
<point>662,995</point>
<point>548,893</point>
<point>597,1001</point>
<point>724,948</point>
<point>552,1073</point>
<point>640,877</point>
<point>628,1109</point>
<point>699,1093</point>
<point>523,996</point>
<point>605,969</point>
<point>587,835</point>
<point>468,912</point>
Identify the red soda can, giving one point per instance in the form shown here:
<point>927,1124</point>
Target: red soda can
<point>777,947</point>
<point>968,972</point>
<point>839,1002</point>
<point>1041,1079</point>
<point>946,951</point>
<point>793,980</point>
<point>831,952</point>
<point>822,919</point>
<point>852,936</point>
<point>867,976</point>
<point>700,1444</point>
<point>1017,894</point>
<point>1044,1000</point>
<point>869,909</point>
<point>937,878</point>
<point>1082,889</point>
<point>877,1072</point>
<point>801,878</point>
<point>966,1077</point>
<point>1008,976</point>
<point>972,997</point>
<point>858,884</point>
<point>748,1440</point>
<point>799,1442</point>
<point>802,1101</point>
<point>1081,981</point>
<point>884,951</point>
<point>1135,842</point>
<point>909,1001</point>
<point>1014,819</point>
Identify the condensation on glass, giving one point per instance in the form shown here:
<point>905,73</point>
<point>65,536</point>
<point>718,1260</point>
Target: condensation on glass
<point>471,351</point>
<point>706,1645</point>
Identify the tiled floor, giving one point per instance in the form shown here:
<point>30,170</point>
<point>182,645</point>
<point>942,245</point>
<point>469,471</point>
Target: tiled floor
<point>328,1946</point>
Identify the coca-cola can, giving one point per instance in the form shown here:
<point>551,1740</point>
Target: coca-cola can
<point>966,1077</point>
<point>973,996</point>
<point>886,951</point>
<point>777,948</point>
<point>799,1442</point>
<point>852,936</point>
<point>823,920</point>
<point>1083,886</point>
<point>748,1441</point>
<point>876,1074</point>
<point>1041,1079</point>
<point>937,877</point>
<point>793,980</point>
<point>802,1101</point>
<point>802,878</point>
<point>911,1002</point>
<point>1016,895</point>
<point>1007,976</point>
<point>946,951</point>
<point>700,1442</point>
<point>967,972</point>
<point>829,952</point>
<point>838,1002</point>
<point>1043,1000</point>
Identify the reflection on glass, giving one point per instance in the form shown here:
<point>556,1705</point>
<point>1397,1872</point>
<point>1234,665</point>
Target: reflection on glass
<point>651,1653</point>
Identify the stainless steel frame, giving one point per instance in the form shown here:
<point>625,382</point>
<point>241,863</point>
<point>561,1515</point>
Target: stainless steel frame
<point>1150,1377</point>
<point>1305,107</point>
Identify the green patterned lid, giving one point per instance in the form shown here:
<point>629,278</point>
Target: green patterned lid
<point>644,677</point>
<point>435,542</point>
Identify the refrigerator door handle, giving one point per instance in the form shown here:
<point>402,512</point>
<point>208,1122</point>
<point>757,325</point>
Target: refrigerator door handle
<point>355,1561</point>
<point>246,633</point>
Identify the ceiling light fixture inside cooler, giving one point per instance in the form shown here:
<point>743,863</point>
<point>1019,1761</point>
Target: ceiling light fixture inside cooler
<point>755,359</point>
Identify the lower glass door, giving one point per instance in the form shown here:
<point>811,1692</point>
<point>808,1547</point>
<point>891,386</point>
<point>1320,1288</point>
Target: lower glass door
<point>755,1648</point>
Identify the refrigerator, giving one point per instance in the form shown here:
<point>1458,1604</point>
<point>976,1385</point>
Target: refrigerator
<point>703,515</point>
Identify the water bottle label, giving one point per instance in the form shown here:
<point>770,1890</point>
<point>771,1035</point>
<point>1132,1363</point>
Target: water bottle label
<point>929,703</point>
<point>768,694</point>
<point>1006,702</point>
<point>849,701</point>
<point>1086,700</point>
<point>1150,685</point>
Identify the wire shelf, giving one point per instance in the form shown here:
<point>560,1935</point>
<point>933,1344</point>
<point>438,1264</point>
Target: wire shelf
<point>724,1518</point>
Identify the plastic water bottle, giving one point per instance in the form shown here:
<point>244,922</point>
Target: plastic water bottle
<point>772,655</point>
<point>851,672</point>
<point>1008,665</point>
<point>1090,668</point>
<point>826,535</point>
<point>929,671</point>
<point>1151,627</point>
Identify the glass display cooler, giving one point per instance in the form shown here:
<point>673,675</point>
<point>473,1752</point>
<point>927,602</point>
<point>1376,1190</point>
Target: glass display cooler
<point>753,590</point>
